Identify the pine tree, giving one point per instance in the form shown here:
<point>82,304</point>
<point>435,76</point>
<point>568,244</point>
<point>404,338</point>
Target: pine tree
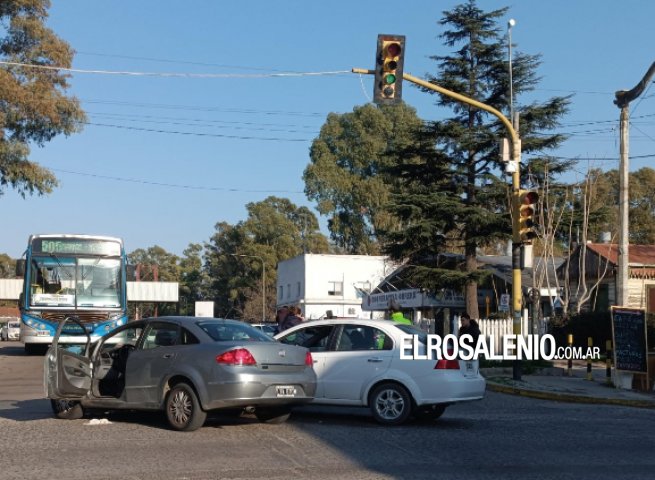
<point>456,200</point>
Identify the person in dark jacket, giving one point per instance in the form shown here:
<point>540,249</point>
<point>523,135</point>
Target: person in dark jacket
<point>292,319</point>
<point>469,326</point>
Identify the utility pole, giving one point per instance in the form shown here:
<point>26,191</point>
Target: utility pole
<point>622,100</point>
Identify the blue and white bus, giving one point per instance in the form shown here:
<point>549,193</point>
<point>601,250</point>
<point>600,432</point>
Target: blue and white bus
<point>71,275</point>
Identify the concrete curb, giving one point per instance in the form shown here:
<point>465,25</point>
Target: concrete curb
<point>566,397</point>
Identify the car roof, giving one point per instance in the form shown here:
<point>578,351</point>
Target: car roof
<point>345,321</point>
<point>181,319</point>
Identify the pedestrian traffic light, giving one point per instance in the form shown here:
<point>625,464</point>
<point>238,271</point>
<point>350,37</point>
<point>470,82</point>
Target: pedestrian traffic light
<point>527,212</point>
<point>389,69</point>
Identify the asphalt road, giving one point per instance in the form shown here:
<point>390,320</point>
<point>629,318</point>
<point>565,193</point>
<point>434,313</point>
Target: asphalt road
<point>502,436</point>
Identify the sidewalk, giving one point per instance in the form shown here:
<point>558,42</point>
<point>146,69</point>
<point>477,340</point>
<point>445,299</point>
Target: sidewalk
<point>555,384</point>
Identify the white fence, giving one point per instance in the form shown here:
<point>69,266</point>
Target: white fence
<point>494,329</point>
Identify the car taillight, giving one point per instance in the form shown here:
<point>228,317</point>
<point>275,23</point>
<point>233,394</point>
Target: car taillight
<point>238,356</point>
<point>309,361</point>
<point>444,364</point>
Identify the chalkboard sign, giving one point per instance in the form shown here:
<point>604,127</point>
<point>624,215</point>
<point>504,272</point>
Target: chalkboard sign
<point>629,336</point>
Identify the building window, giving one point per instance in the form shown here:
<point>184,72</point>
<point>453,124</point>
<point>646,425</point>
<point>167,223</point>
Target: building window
<point>299,295</point>
<point>352,311</point>
<point>335,288</point>
<point>362,289</point>
<point>289,290</point>
<point>281,296</point>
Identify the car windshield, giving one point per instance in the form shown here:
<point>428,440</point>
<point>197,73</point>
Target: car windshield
<point>226,331</point>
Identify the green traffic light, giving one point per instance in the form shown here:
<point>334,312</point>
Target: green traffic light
<point>390,79</point>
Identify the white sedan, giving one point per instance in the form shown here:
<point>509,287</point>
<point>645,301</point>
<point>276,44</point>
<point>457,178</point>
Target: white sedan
<point>357,363</point>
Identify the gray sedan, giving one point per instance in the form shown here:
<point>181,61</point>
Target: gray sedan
<point>185,366</point>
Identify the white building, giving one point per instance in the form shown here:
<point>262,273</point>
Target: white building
<point>319,283</point>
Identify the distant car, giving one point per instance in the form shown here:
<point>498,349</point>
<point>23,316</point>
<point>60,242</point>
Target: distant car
<point>185,366</point>
<point>269,329</point>
<point>358,364</point>
<point>10,331</point>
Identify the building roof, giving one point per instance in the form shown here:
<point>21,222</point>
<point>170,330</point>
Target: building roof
<point>638,255</point>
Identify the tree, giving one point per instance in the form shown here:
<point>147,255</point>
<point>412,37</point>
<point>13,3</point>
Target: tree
<point>469,139</point>
<point>7,266</point>
<point>193,278</point>
<point>34,106</point>
<point>275,230</point>
<point>344,175</point>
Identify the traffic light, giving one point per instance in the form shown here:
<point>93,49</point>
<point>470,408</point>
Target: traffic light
<point>527,212</point>
<point>389,69</point>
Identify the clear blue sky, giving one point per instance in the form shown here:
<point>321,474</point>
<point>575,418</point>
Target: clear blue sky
<point>589,47</point>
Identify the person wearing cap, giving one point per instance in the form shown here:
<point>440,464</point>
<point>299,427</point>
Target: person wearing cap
<point>396,315</point>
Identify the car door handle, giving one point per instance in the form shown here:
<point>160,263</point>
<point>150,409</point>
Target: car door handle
<point>168,355</point>
<point>374,360</point>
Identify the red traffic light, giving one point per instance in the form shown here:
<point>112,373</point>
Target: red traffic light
<point>393,49</point>
<point>528,198</point>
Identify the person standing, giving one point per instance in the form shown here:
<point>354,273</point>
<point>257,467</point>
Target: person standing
<point>280,316</point>
<point>397,315</point>
<point>470,327</point>
<point>292,319</point>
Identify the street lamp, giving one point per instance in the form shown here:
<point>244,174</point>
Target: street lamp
<point>263,280</point>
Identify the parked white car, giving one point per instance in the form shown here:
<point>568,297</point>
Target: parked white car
<point>357,362</point>
<point>10,331</point>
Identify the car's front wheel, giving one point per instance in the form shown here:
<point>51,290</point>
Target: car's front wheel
<point>67,409</point>
<point>273,415</point>
<point>183,410</point>
<point>390,404</point>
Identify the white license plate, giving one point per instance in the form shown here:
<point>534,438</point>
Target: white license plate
<point>285,391</point>
<point>470,368</point>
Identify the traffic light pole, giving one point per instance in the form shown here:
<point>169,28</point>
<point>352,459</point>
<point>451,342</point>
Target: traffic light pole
<point>516,158</point>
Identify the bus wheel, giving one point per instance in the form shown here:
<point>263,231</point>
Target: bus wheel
<point>67,409</point>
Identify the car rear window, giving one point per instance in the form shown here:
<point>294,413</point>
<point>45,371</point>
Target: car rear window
<point>232,332</point>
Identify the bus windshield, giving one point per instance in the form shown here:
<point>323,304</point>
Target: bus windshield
<point>74,282</point>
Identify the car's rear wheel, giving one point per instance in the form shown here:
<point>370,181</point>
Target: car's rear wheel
<point>430,413</point>
<point>67,409</point>
<point>183,410</point>
<point>390,403</point>
<point>273,415</point>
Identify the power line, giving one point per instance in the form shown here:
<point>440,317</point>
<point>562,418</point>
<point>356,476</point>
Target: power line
<point>194,123</point>
<point>171,185</point>
<point>197,134</point>
<point>211,121</point>
<point>182,62</point>
<point>176,75</point>
<point>204,109</point>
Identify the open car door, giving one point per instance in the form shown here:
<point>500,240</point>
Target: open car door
<point>68,371</point>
